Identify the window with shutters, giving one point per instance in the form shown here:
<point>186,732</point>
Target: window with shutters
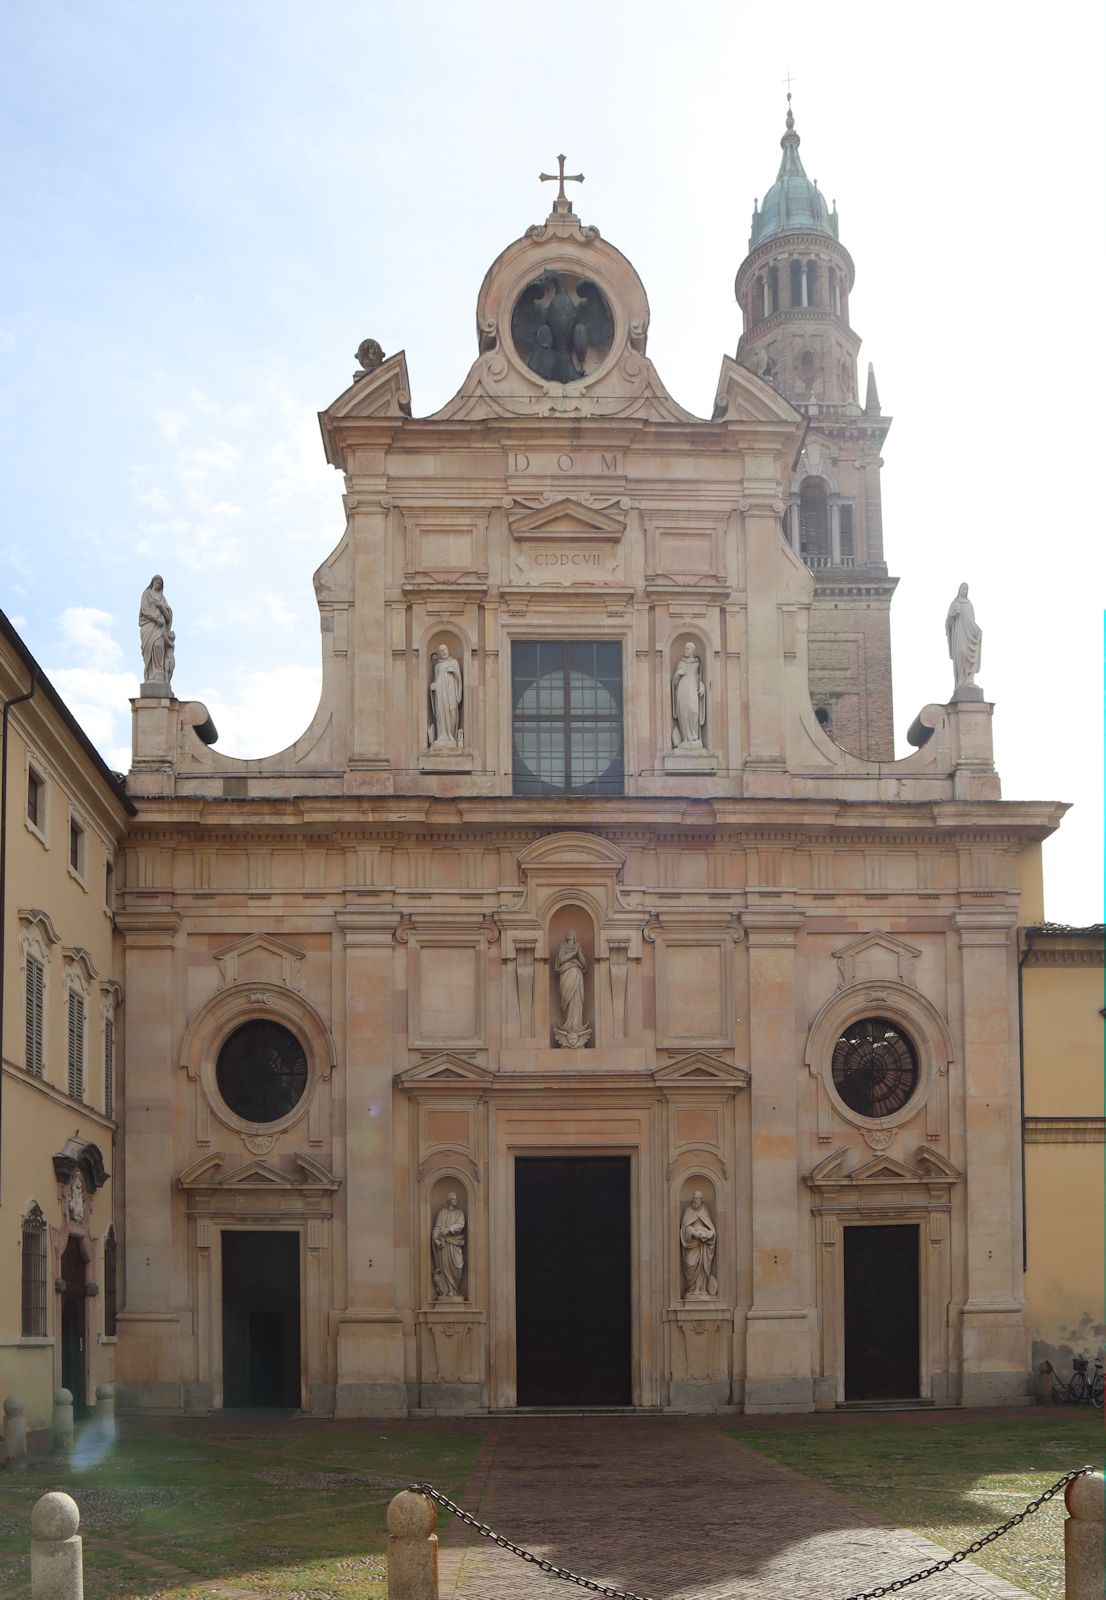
<point>34,1008</point>
<point>111,1268</point>
<point>814,523</point>
<point>33,1275</point>
<point>109,1066</point>
<point>36,801</point>
<point>76,1044</point>
<point>847,547</point>
<point>76,848</point>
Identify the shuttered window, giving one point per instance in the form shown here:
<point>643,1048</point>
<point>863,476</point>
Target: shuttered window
<point>33,1321</point>
<point>109,1067</point>
<point>33,1012</point>
<point>76,1045</point>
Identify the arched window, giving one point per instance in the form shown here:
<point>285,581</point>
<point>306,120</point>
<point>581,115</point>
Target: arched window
<point>814,523</point>
<point>813,295</point>
<point>847,549</point>
<point>797,284</point>
<point>773,290</point>
<point>33,1274</point>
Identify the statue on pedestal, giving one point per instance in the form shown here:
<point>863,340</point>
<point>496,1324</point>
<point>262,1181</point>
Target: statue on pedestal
<point>570,967</point>
<point>689,701</point>
<point>965,639</point>
<point>698,1238</point>
<point>447,1245</point>
<point>446,693</point>
<point>155,627</point>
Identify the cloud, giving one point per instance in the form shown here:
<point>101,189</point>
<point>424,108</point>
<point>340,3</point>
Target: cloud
<point>99,701</point>
<point>86,630</point>
<point>268,712</point>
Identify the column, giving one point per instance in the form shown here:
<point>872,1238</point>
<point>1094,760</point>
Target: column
<point>804,290</point>
<point>835,530</point>
<point>151,1365</point>
<point>765,773</point>
<point>793,528</point>
<point>779,1345</point>
<point>992,1328</point>
<point>371,1373</point>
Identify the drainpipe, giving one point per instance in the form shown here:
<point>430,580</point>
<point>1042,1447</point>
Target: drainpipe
<point>8,704</point>
<point>1022,959</point>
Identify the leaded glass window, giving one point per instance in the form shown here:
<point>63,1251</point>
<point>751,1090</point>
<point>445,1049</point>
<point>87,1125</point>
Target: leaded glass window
<point>875,1067</point>
<point>261,1072</point>
<point>567,719</point>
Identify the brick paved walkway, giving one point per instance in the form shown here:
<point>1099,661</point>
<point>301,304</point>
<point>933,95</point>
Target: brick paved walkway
<point>671,1508</point>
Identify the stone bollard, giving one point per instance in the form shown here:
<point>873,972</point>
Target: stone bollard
<point>412,1547</point>
<point>105,1409</point>
<point>15,1433</point>
<point>1085,1538</point>
<point>63,1421</point>
<point>57,1568</point>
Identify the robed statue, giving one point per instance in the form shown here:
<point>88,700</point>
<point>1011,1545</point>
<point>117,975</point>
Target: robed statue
<point>697,1243</point>
<point>155,628</point>
<point>689,700</point>
<point>570,967</point>
<point>965,639</point>
<point>447,1244</point>
<point>446,691</point>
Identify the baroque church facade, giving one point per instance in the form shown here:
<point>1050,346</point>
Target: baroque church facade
<point>587,1009</point>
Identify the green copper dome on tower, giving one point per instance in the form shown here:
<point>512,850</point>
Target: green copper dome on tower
<point>793,204</point>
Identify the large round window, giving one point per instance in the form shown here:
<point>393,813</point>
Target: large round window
<point>261,1072</point>
<point>875,1067</point>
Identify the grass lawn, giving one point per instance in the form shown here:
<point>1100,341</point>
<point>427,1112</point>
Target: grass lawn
<point>292,1514</point>
<point>953,1479</point>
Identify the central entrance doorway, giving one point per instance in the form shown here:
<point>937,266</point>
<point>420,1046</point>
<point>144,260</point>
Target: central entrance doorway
<point>881,1313</point>
<point>261,1319</point>
<point>572,1280</point>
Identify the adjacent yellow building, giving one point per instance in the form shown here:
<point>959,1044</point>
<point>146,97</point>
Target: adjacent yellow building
<point>1062,971</point>
<point>63,816</point>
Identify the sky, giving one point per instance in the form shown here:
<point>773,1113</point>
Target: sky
<point>209,205</point>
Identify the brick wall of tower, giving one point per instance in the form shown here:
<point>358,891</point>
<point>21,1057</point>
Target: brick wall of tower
<point>850,672</point>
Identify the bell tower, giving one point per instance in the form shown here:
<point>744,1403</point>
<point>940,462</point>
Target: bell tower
<point>793,289</point>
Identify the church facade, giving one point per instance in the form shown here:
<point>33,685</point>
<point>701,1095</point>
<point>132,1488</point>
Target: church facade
<point>587,1009</point>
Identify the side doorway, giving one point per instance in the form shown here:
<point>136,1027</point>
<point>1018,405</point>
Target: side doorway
<point>261,1319</point>
<point>74,1324</point>
<point>882,1341</point>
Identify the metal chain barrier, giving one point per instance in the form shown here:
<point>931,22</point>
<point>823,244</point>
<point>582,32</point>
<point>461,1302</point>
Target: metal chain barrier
<point>593,1587</point>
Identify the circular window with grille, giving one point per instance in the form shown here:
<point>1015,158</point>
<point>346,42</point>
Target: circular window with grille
<point>261,1072</point>
<point>874,1067</point>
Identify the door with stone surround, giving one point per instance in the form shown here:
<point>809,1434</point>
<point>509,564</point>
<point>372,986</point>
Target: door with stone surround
<point>261,1318</point>
<point>881,1313</point>
<point>572,1280</point>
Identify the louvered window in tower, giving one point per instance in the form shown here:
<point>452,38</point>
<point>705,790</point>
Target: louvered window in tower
<point>34,999</point>
<point>76,1045</point>
<point>848,551</point>
<point>814,523</point>
<point>33,1320</point>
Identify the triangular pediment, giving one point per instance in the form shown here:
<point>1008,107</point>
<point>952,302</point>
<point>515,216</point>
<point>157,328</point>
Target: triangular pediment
<point>883,1169</point>
<point>873,956</point>
<point>203,1174</point>
<point>444,1069</point>
<point>701,1068</point>
<point>743,397</point>
<point>383,393</point>
<point>934,1166</point>
<point>260,959</point>
<point>567,519</point>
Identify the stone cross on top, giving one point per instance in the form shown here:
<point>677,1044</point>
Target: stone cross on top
<point>562,206</point>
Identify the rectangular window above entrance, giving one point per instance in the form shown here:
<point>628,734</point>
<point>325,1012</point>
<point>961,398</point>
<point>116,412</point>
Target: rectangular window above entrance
<point>566,699</point>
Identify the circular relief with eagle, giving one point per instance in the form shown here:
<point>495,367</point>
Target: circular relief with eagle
<point>562,326</point>
<point>875,1067</point>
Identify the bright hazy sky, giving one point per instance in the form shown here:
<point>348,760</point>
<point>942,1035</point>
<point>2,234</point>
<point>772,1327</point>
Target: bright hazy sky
<point>209,205</point>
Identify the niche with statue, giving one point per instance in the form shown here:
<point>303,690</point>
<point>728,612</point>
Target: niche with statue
<point>572,979</point>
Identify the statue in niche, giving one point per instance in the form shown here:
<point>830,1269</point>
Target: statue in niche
<point>965,639</point>
<point>697,1242</point>
<point>155,628</point>
<point>689,701</point>
<point>446,691</point>
<point>553,337</point>
<point>447,1245</point>
<point>370,355</point>
<point>570,967</point>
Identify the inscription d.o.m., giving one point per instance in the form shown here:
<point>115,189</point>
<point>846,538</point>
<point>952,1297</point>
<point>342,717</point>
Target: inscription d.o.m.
<point>592,461</point>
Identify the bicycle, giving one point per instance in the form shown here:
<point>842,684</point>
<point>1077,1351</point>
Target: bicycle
<point>1082,1388</point>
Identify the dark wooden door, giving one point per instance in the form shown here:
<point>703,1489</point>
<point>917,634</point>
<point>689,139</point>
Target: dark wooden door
<point>572,1280</point>
<point>261,1319</point>
<point>74,1361</point>
<point>881,1313</point>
